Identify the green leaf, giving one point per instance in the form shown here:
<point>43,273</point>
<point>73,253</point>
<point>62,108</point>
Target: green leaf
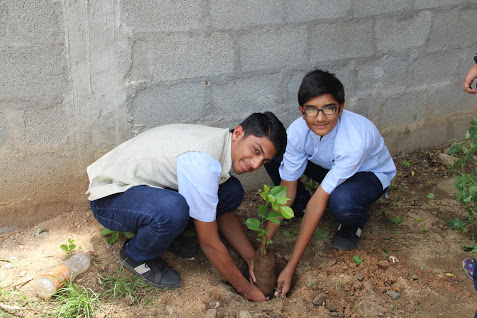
<point>129,235</point>
<point>457,225</point>
<point>287,212</point>
<point>357,260</point>
<point>279,191</point>
<point>274,214</point>
<point>406,163</point>
<point>262,211</point>
<point>64,248</point>
<point>430,195</point>
<point>274,220</point>
<point>396,220</point>
<point>106,232</point>
<point>321,233</point>
<point>253,224</point>
<point>469,248</point>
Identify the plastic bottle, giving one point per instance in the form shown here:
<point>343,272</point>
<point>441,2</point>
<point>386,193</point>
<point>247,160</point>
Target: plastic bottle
<point>47,284</point>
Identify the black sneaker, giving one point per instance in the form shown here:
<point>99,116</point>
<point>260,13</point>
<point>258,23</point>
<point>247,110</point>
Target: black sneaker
<point>184,246</point>
<point>155,272</point>
<point>346,238</point>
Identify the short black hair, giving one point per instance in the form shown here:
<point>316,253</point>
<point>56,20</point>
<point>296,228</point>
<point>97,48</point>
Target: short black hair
<point>319,82</point>
<point>266,125</point>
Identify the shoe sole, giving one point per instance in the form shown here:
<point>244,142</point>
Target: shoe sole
<point>132,270</point>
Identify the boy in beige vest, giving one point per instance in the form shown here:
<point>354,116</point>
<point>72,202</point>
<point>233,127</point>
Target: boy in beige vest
<point>155,182</point>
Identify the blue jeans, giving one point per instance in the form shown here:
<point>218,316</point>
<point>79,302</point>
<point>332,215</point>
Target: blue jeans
<point>348,203</point>
<point>157,216</point>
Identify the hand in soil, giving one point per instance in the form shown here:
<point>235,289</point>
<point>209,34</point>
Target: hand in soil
<point>254,294</point>
<point>251,274</point>
<point>284,282</point>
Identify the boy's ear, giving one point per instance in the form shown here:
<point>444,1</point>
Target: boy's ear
<point>238,133</point>
<point>302,111</point>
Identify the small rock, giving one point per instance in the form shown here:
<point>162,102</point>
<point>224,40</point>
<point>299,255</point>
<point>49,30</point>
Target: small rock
<point>359,277</point>
<point>211,313</point>
<point>414,277</point>
<point>245,314</point>
<point>446,159</point>
<point>393,294</point>
<point>22,274</point>
<point>9,266</point>
<point>319,300</point>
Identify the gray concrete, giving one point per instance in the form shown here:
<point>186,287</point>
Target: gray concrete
<point>80,77</point>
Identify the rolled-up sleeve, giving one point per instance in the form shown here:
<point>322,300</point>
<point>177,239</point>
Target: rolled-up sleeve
<point>198,176</point>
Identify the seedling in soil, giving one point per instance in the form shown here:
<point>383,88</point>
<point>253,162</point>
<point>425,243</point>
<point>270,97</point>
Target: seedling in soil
<point>321,233</point>
<point>396,220</point>
<point>273,210</point>
<point>112,236</point>
<point>398,231</point>
<point>274,198</point>
<point>70,247</point>
<point>431,195</point>
<point>357,260</point>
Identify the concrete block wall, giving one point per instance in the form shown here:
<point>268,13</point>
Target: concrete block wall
<point>80,77</point>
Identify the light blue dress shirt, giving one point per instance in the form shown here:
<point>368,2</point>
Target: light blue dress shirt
<point>198,176</point>
<point>354,145</point>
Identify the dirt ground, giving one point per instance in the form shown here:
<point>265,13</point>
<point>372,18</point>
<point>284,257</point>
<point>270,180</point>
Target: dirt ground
<point>426,279</point>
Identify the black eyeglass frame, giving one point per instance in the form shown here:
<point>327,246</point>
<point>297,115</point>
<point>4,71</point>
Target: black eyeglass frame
<point>327,107</point>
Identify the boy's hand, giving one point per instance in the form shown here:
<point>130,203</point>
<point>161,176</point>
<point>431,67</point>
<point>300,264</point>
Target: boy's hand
<point>251,274</point>
<point>284,282</point>
<point>254,294</point>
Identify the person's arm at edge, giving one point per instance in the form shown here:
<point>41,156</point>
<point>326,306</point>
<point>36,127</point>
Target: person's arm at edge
<point>219,257</point>
<point>468,80</point>
<point>314,211</point>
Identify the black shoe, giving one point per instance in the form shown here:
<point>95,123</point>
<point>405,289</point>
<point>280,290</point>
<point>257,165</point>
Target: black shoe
<point>346,238</point>
<point>155,272</point>
<point>184,246</point>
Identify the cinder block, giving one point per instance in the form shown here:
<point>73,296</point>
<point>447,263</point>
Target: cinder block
<point>389,73</point>
<point>453,29</point>
<point>332,41</point>
<point>247,95</point>
<point>398,33</point>
<point>46,126</point>
<point>162,104</point>
<point>426,4</point>
<point>282,48</point>
<point>365,8</point>
<point>404,109</point>
<point>183,56</point>
<point>164,15</point>
<point>308,10</point>
<point>37,21</point>
<point>34,71</point>
<point>434,68</point>
<point>243,14</point>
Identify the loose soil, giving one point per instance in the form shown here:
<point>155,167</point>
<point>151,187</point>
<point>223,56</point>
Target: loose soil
<point>410,269</point>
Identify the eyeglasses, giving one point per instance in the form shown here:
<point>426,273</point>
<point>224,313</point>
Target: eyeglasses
<point>327,110</point>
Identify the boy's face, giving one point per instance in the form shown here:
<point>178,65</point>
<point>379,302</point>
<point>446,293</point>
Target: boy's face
<point>251,152</point>
<point>322,124</point>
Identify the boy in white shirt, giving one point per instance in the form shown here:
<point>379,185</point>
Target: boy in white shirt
<point>341,150</point>
<point>155,182</point>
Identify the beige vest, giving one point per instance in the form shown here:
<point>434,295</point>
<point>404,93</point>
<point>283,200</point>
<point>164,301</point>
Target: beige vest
<point>150,158</point>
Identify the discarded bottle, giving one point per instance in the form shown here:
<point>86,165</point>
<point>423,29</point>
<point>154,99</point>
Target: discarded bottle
<point>46,285</point>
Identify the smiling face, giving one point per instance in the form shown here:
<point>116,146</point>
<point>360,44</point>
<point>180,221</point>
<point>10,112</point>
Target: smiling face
<point>322,124</point>
<point>251,152</point>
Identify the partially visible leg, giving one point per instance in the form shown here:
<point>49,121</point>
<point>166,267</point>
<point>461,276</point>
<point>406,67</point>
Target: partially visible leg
<point>349,203</point>
<point>231,195</point>
<point>157,216</point>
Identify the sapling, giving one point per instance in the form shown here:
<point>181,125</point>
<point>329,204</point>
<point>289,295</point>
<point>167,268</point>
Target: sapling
<point>265,260</point>
<point>272,210</point>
